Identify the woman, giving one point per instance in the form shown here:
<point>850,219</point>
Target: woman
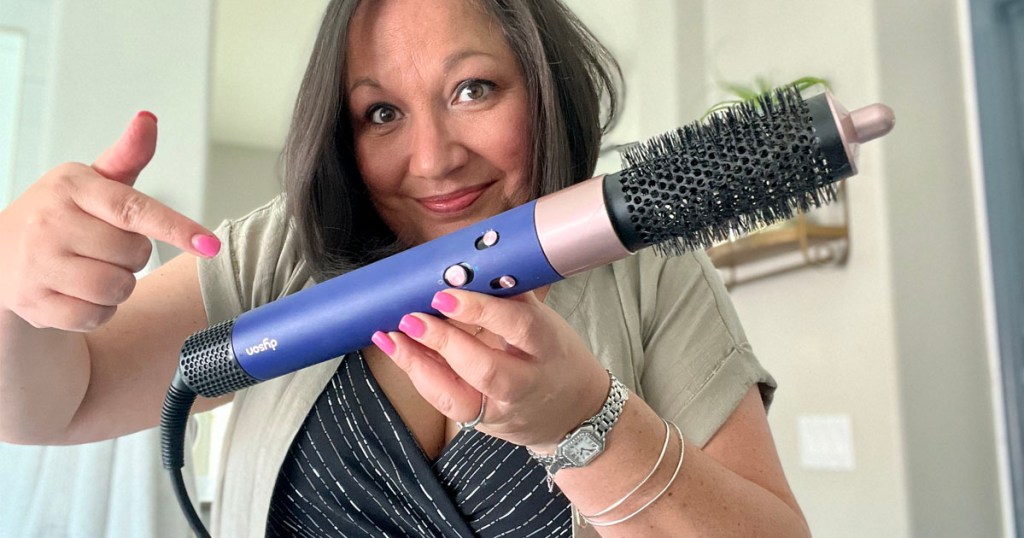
<point>414,120</point>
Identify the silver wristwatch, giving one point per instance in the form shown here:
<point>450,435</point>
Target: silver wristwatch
<point>587,441</point>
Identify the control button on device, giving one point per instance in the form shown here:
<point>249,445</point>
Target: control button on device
<point>504,282</point>
<point>487,240</point>
<point>458,275</point>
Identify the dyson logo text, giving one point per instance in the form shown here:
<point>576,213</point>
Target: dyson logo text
<point>267,343</point>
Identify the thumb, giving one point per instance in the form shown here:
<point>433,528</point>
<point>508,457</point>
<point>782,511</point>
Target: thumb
<point>123,161</point>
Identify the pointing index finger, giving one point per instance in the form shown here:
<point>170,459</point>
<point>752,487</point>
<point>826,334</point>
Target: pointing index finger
<point>128,209</point>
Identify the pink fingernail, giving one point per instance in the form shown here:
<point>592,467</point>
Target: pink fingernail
<point>207,245</point>
<point>148,114</point>
<point>444,302</point>
<point>412,326</point>
<point>384,342</point>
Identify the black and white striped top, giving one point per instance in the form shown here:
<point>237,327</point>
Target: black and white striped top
<point>354,469</point>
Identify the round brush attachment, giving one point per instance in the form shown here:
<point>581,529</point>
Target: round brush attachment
<point>741,169</point>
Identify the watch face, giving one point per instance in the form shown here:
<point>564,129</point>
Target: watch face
<point>584,445</point>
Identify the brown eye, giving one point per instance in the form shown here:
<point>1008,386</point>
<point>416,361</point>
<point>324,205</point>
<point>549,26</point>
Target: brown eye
<point>382,114</point>
<point>473,90</point>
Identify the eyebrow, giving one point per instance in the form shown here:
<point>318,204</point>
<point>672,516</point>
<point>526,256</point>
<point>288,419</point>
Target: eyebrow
<point>449,64</point>
<point>455,58</point>
<point>364,81</point>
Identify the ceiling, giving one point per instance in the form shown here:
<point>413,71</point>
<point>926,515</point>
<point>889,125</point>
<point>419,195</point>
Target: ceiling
<point>260,52</point>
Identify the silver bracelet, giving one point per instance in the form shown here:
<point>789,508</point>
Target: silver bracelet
<point>587,441</point>
<point>664,448</point>
<point>679,465</point>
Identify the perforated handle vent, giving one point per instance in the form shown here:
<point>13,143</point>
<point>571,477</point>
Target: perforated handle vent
<point>208,362</point>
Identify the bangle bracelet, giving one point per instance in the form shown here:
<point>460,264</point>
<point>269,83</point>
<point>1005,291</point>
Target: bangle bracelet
<point>682,452</point>
<point>664,448</point>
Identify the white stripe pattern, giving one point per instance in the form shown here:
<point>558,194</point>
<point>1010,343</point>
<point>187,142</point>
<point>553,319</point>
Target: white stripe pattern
<point>354,469</point>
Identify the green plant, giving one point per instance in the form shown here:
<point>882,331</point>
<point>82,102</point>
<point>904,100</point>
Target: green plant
<point>761,86</point>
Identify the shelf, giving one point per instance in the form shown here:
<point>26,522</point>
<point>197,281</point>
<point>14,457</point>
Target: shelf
<point>795,235</point>
<point>793,244</point>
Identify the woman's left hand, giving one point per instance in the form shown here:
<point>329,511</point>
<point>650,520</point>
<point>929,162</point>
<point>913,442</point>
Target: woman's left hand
<point>539,378</point>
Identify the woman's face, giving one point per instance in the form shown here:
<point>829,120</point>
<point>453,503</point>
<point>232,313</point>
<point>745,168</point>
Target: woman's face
<point>440,117</point>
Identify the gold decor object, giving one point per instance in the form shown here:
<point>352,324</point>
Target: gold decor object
<point>793,244</point>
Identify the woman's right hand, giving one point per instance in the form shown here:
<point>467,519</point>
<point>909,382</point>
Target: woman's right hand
<point>73,241</point>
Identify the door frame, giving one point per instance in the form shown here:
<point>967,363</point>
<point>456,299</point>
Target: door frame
<point>997,28</point>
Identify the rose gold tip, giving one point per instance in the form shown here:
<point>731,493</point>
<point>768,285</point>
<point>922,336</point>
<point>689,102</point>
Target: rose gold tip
<point>872,121</point>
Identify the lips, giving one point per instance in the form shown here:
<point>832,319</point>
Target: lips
<point>453,202</point>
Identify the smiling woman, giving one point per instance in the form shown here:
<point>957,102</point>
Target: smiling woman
<point>441,132</point>
<point>414,119</point>
<point>99,63</point>
<point>555,145</point>
<point>443,121</point>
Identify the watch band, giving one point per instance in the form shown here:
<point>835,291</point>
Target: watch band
<point>587,441</point>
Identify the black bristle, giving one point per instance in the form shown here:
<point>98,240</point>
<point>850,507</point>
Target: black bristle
<point>739,170</point>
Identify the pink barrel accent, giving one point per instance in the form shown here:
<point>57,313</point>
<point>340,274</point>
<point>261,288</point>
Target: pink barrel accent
<point>574,229</point>
<point>861,125</point>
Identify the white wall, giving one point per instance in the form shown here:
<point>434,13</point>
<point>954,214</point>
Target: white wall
<point>661,71</point>
<point>260,52</point>
<point>90,67</point>
<point>116,57</point>
<point>240,179</point>
<point>895,340</point>
<point>826,334</point>
<point>36,21</point>
<point>952,462</point>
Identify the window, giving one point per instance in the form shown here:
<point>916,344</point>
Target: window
<point>12,55</point>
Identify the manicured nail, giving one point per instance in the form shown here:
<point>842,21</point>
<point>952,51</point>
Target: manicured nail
<point>412,326</point>
<point>444,302</point>
<point>207,245</point>
<point>148,114</point>
<point>384,342</point>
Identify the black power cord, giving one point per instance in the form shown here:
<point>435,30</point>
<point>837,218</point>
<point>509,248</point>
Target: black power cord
<point>173,421</point>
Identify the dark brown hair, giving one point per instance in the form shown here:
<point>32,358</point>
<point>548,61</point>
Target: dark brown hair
<point>567,73</point>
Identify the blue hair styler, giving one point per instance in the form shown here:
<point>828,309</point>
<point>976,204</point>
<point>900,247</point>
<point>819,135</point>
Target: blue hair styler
<point>745,167</point>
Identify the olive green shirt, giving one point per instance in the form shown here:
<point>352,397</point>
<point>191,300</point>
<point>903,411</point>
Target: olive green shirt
<point>664,326</point>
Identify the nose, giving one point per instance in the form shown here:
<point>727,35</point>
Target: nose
<point>437,148</point>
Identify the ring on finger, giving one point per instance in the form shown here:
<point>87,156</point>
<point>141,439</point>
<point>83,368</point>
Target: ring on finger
<point>479,417</point>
